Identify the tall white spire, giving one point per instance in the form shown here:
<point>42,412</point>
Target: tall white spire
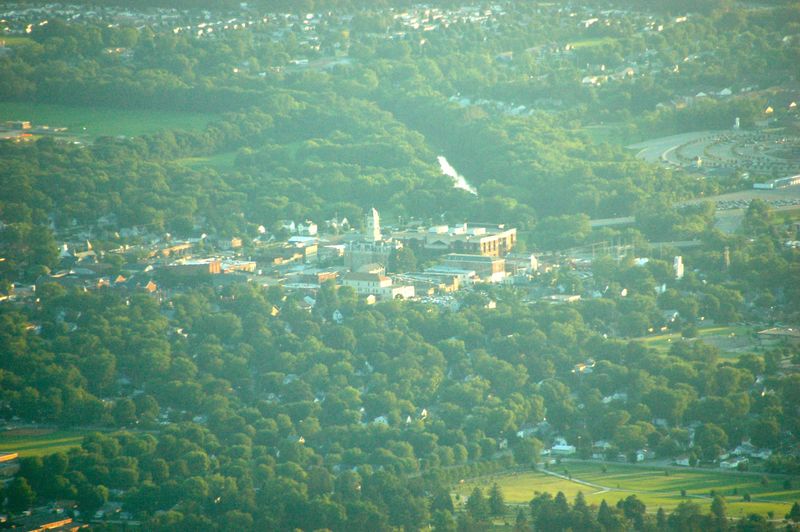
<point>373,226</point>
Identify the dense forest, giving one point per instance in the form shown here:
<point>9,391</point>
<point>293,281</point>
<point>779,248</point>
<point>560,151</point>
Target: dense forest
<point>245,407</point>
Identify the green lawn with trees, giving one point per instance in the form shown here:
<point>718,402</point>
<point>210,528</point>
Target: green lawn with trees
<point>89,122</point>
<point>656,487</point>
<point>39,442</point>
<point>256,409</point>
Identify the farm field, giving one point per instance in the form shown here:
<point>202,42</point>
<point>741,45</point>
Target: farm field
<point>39,442</point>
<point>92,122</point>
<point>649,484</point>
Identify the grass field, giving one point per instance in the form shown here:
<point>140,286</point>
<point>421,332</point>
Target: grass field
<point>649,484</point>
<point>93,122</point>
<point>15,40</point>
<point>589,43</point>
<point>610,133</point>
<point>220,161</point>
<point>731,340</point>
<point>39,442</point>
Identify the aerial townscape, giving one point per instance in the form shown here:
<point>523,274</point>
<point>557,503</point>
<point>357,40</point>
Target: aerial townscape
<point>350,265</point>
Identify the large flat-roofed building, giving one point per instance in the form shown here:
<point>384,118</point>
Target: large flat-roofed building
<point>486,267</point>
<point>357,254</point>
<point>481,239</point>
<point>377,285</point>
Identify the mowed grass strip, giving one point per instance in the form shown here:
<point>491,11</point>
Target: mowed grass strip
<point>99,121</point>
<point>15,40</point>
<point>650,485</point>
<point>38,442</point>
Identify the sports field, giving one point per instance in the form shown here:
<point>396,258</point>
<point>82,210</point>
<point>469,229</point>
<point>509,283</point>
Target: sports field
<point>39,442</point>
<point>92,122</point>
<point>651,485</point>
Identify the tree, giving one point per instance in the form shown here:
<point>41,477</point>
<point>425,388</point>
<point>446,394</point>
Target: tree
<point>711,439</point>
<point>477,505</point>
<point>497,505</point>
<point>442,501</point>
<point>20,495</point>
<point>90,498</point>
<point>526,450</point>
<point>634,509</point>
<point>402,260</point>
<point>661,519</point>
<point>794,513</point>
<point>443,521</point>
<point>719,509</point>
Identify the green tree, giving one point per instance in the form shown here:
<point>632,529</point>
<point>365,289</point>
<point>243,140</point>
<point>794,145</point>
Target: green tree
<point>20,495</point>
<point>719,509</point>
<point>497,504</point>
<point>794,513</point>
<point>477,506</point>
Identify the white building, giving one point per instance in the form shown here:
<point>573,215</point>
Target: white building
<point>561,447</point>
<point>677,266</point>
<point>377,285</point>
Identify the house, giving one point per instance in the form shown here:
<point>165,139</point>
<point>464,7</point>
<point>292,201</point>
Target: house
<point>562,448</point>
<point>230,243</point>
<point>732,463</point>
<point>307,228</point>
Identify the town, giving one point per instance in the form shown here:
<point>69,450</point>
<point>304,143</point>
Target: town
<point>344,266</point>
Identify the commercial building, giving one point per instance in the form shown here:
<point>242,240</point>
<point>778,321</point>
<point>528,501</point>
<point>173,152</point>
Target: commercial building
<point>377,285</point>
<point>487,268</point>
<point>481,239</point>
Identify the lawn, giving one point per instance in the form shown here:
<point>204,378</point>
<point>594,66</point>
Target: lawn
<point>15,40</point>
<point>610,133</point>
<point>220,161</point>
<point>731,340</point>
<point>649,484</point>
<point>590,43</point>
<point>39,442</point>
<point>96,121</point>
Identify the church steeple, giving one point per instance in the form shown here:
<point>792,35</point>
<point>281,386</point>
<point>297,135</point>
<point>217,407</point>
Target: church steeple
<point>373,226</point>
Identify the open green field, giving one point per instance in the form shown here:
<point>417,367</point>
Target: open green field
<point>589,43</point>
<point>731,340</point>
<point>610,133</point>
<point>15,40</point>
<point>220,161</point>
<point>93,121</point>
<point>649,484</point>
<point>39,442</point>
